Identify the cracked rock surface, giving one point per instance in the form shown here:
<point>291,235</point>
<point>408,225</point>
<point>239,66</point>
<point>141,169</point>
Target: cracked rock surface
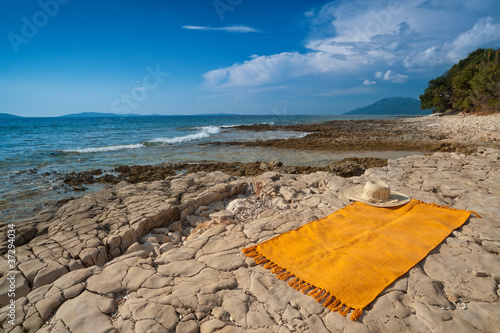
<point>166,256</point>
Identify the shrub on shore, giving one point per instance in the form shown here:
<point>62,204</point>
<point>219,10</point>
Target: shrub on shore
<point>471,85</point>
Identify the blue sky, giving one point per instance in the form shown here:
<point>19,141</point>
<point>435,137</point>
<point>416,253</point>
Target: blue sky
<point>233,56</point>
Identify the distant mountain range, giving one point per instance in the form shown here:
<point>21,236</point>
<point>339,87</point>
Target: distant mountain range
<point>98,114</point>
<point>401,106</point>
<point>7,115</point>
<point>102,115</point>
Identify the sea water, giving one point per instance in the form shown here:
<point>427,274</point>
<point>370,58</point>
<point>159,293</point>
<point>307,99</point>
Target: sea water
<point>34,152</point>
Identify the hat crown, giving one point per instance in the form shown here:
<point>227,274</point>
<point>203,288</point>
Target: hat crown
<point>376,190</point>
<point>375,193</point>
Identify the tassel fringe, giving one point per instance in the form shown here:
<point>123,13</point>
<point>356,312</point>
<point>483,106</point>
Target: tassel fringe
<point>445,207</point>
<point>322,296</point>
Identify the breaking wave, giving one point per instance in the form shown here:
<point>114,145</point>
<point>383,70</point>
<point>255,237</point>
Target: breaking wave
<point>104,149</point>
<point>204,133</point>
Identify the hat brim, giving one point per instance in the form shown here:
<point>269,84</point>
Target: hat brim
<point>396,199</point>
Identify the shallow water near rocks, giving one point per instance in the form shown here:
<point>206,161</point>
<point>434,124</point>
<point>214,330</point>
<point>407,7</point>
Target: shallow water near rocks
<point>36,152</point>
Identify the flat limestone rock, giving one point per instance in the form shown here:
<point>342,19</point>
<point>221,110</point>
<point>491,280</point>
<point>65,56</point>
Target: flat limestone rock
<point>184,268</point>
<point>165,315</point>
<point>87,313</point>
<point>148,325</point>
<point>68,280</point>
<point>203,283</point>
<point>190,326</point>
<point>236,304</point>
<point>226,261</point>
<point>136,276</point>
<point>110,280</point>
<point>30,268</point>
<point>46,305</point>
<point>49,274</point>
<point>212,326</point>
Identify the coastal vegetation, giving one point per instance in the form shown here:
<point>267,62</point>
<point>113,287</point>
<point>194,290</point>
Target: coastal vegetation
<point>471,85</point>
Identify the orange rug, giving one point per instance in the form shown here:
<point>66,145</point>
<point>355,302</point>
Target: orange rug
<point>348,258</point>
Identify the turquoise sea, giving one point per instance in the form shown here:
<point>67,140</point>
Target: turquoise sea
<point>34,152</point>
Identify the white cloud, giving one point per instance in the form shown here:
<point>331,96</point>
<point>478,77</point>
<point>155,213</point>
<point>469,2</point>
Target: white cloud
<point>231,28</point>
<point>352,36</point>
<point>365,20</point>
<point>261,70</point>
<point>406,33</point>
<point>367,82</point>
<point>484,32</point>
<point>428,57</point>
<point>330,47</point>
<point>391,77</point>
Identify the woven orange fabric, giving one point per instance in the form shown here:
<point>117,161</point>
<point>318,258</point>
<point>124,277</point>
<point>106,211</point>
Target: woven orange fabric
<point>349,257</point>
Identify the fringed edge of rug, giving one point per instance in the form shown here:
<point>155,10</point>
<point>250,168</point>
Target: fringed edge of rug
<point>321,295</point>
<point>445,207</point>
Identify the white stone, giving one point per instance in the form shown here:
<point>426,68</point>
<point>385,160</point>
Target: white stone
<point>238,205</point>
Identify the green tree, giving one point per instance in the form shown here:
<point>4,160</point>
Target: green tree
<point>437,96</point>
<point>473,84</point>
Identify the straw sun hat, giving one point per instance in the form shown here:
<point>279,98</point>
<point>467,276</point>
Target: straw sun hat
<point>376,193</point>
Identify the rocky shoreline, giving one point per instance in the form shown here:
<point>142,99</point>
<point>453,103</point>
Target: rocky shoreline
<point>165,255</point>
<point>425,134</point>
<point>146,173</point>
<point>368,142</point>
<point>430,133</point>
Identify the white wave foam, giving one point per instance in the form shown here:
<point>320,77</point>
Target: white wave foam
<point>104,149</point>
<point>204,132</point>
